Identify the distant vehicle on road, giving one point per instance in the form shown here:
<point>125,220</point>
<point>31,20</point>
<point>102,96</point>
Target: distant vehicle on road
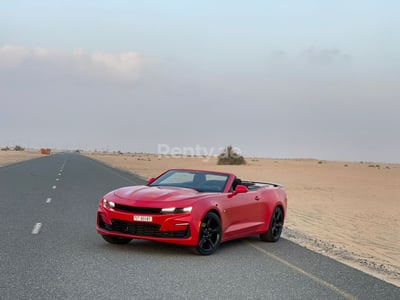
<point>45,151</point>
<point>193,208</point>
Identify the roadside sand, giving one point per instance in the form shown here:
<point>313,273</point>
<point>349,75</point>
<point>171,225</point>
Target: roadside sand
<point>348,211</point>
<point>11,156</point>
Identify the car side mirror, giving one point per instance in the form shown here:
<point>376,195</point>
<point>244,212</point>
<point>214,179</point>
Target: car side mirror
<point>150,181</point>
<point>240,189</point>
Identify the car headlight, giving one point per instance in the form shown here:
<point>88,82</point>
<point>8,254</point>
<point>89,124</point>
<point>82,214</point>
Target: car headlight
<point>108,204</point>
<point>175,210</point>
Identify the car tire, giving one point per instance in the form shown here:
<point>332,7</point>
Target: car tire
<point>274,231</point>
<point>112,239</point>
<point>209,234</point>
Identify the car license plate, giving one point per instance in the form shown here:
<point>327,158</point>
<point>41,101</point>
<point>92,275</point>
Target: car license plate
<point>143,218</point>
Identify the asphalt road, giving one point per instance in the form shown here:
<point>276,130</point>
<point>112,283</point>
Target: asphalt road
<point>51,250</point>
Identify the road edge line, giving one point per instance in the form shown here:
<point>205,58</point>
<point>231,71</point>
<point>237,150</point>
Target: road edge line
<point>309,275</point>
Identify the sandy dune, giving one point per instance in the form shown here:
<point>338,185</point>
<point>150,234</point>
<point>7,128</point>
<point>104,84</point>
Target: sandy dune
<point>348,211</point>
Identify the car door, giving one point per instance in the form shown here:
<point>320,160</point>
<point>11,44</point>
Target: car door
<point>244,214</point>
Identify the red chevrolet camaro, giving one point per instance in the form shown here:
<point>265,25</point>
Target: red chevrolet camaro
<point>194,208</point>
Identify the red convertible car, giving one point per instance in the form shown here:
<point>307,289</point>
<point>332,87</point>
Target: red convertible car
<point>194,208</point>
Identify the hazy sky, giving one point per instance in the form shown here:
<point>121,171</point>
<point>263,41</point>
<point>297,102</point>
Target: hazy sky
<point>294,78</point>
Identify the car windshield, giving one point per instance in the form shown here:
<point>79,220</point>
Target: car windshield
<point>198,180</point>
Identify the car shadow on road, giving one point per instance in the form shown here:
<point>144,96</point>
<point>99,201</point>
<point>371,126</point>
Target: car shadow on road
<point>165,249</point>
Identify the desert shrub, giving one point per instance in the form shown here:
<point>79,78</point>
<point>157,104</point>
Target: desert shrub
<point>230,157</point>
<point>18,148</point>
<point>374,166</point>
<point>5,148</point>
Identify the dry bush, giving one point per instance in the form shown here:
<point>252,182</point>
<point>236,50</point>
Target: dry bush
<point>230,157</point>
<point>19,148</point>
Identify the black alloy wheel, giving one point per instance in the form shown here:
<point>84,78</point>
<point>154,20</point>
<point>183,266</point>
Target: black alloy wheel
<point>274,231</point>
<point>209,235</point>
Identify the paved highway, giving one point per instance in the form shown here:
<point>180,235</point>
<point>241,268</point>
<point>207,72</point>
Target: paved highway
<point>51,250</point>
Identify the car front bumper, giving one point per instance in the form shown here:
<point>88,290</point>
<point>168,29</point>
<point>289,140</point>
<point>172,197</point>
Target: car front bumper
<point>179,229</point>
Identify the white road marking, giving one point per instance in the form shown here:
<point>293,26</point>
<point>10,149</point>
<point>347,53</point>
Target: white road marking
<point>59,174</point>
<point>57,179</point>
<point>36,228</point>
<point>48,200</point>
<point>54,187</point>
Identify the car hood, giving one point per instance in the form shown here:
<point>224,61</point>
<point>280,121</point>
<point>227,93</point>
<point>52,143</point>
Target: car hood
<point>156,196</point>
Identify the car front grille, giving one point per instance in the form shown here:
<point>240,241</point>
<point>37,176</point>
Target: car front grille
<point>135,209</point>
<point>144,229</point>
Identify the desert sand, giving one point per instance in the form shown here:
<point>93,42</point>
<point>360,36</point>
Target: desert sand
<point>11,156</point>
<point>349,211</point>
